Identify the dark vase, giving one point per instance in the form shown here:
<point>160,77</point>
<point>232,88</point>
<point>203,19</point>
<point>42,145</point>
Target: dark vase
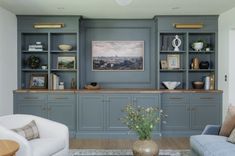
<point>204,65</point>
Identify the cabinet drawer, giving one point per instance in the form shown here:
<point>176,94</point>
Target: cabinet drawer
<point>30,97</point>
<point>61,97</point>
<point>207,98</point>
<point>174,98</point>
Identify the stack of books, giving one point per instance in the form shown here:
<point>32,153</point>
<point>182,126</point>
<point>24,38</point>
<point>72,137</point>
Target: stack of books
<point>55,79</point>
<point>36,47</point>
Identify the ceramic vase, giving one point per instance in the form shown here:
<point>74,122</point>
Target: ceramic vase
<point>176,43</point>
<point>145,148</point>
<point>197,46</point>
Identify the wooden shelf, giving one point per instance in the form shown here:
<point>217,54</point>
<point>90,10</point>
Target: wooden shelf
<point>172,70</point>
<point>201,52</point>
<point>201,70</point>
<point>26,51</point>
<point>171,51</point>
<point>34,70</point>
<point>64,52</point>
<point>63,70</point>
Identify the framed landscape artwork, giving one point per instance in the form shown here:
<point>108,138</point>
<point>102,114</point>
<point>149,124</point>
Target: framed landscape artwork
<point>66,62</point>
<point>117,55</point>
<point>38,81</point>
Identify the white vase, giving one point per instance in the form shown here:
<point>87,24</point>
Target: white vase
<point>197,46</point>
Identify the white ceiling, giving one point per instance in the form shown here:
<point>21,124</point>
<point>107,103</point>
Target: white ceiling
<point>138,9</point>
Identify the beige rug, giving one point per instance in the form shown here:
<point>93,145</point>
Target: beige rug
<point>123,152</point>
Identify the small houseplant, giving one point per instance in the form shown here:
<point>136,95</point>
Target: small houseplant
<point>142,120</point>
<point>34,62</point>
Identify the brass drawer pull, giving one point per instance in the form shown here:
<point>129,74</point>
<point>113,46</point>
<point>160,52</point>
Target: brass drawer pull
<point>206,98</point>
<point>176,98</point>
<point>30,98</point>
<point>193,109</point>
<point>61,98</point>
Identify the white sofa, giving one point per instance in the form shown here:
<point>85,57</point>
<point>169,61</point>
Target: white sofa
<point>53,141</point>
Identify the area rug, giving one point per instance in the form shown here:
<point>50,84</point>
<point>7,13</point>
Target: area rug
<point>123,152</point>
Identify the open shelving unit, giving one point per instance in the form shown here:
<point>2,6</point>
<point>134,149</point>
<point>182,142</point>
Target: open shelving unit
<point>185,74</point>
<point>49,57</point>
<point>165,48</point>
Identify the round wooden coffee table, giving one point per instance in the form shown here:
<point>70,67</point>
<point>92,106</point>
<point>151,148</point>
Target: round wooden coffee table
<point>8,147</point>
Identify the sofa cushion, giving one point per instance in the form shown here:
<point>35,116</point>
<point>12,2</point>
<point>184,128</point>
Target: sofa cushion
<point>47,147</point>
<point>211,145</point>
<point>29,131</point>
<point>229,122</point>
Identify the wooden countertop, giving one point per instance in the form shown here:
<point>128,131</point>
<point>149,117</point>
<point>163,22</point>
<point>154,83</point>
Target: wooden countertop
<point>121,90</point>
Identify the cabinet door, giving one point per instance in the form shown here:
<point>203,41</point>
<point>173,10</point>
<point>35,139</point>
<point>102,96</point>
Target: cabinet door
<point>147,100</point>
<point>91,112</point>
<point>61,108</point>
<point>30,103</point>
<point>34,108</point>
<point>176,107</point>
<point>205,109</point>
<point>115,104</point>
<point>63,113</point>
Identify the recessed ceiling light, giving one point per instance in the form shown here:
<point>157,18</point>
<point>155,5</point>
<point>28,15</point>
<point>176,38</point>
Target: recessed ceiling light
<point>175,8</point>
<point>60,8</point>
<point>123,2</point>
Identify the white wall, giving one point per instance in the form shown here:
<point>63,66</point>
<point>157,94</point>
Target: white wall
<point>231,90</point>
<point>8,60</point>
<point>227,57</point>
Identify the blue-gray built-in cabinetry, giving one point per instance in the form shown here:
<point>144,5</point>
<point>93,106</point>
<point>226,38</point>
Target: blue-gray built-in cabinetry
<point>97,113</point>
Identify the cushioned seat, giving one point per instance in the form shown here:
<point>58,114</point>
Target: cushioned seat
<point>47,146</point>
<point>53,141</point>
<point>211,145</point>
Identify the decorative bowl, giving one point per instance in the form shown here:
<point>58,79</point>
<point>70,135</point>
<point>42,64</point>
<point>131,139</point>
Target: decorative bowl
<point>90,87</point>
<point>65,47</point>
<point>197,46</point>
<point>198,84</point>
<point>171,84</point>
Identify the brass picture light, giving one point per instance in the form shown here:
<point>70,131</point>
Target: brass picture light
<point>188,26</point>
<point>48,25</point>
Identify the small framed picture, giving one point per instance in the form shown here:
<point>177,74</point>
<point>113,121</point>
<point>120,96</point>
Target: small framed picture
<point>164,64</point>
<point>38,81</point>
<point>66,62</point>
<point>173,61</point>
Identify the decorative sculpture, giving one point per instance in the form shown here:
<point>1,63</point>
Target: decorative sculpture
<point>176,43</point>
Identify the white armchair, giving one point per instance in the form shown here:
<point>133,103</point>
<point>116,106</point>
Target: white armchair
<point>53,141</point>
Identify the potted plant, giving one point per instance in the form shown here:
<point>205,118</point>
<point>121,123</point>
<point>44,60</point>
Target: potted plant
<point>34,62</point>
<point>198,45</point>
<point>142,120</point>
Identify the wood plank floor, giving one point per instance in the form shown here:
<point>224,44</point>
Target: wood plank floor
<point>163,143</point>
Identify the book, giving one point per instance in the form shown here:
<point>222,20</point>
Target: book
<point>35,48</point>
<point>55,81</point>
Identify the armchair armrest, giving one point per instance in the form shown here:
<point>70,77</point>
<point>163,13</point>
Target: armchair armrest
<point>52,129</point>
<point>211,130</point>
<point>25,148</point>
